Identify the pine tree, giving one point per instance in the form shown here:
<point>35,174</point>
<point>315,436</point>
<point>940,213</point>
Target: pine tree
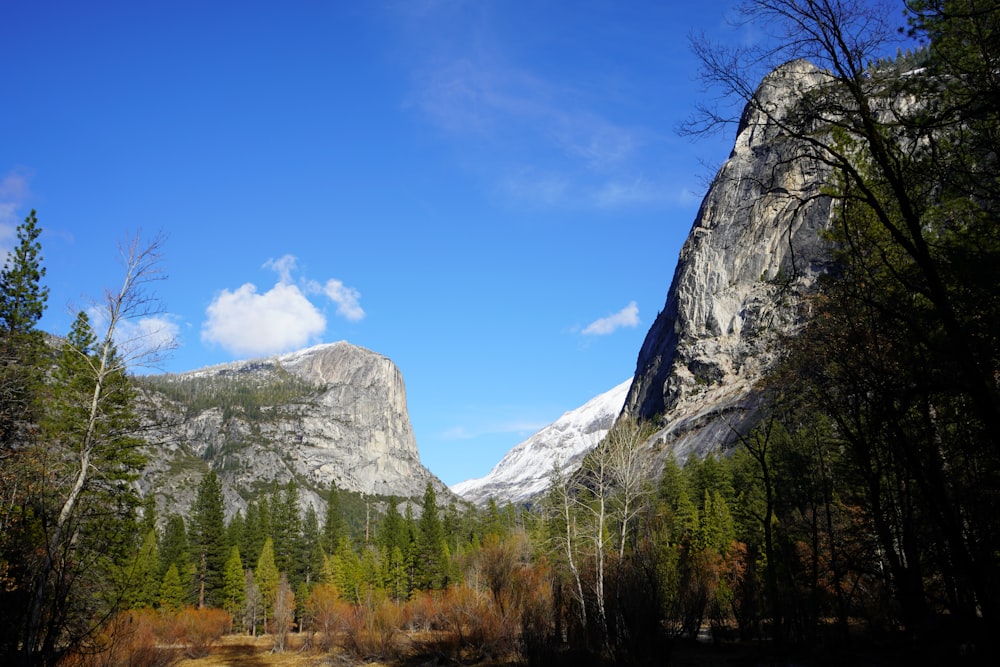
<point>333,527</point>
<point>174,546</point>
<point>171,591</point>
<point>208,540</point>
<point>310,555</point>
<point>431,568</point>
<point>234,584</point>
<point>286,530</point>
<point>266,575</point>
<point>392,533</point>
<point>22,302</point>
<point>22,294</point>
<point>235,530</point>
<point>144,574</point>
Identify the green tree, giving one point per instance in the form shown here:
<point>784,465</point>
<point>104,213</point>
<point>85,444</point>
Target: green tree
<point>208,539</point>
<point>22,302</point>
<point>174,546</point>
<point>309,559</point>
<point>333,526</point>
<point>143,574</point>
<point>392,532</point>
<point>234,584</point>
<point>429,548</point>
<point>286,529</point>
<point>171,590</point>
<point>266,576</point>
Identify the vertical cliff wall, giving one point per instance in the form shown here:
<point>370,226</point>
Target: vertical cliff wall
<point>755,246</point>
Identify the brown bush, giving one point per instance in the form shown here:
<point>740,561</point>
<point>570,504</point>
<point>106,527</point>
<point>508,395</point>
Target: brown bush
<point>197,629</point>
<point>423,612</point>
<point>370,629</point>
<point>327,614</point>
<point>130,639</point>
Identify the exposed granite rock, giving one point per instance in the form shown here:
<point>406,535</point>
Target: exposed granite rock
<point>346,422</point>
<point>755,246</point>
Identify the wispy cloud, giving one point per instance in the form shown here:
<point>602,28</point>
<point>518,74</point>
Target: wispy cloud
<point>346,298</point>
<point>15,189</point>
<point>143,341</point>
<point>520,427</point>
<point>247,322</point>
<point>522,121</point>
<point>626,317</point>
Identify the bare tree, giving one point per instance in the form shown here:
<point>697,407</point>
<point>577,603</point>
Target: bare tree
<point>284,614</point>
<point>561,506</point>
<point>85,438</point>
<point>629,469</point>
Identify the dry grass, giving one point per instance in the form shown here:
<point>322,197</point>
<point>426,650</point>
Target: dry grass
<point>244,651</point>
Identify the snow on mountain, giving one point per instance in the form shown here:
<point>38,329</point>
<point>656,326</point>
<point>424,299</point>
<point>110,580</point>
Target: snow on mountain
<point>524,471</point>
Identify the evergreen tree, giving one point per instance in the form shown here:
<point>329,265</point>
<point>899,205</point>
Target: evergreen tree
<point>309,561</point>
<point>144,574</point>
<point>429,558</point>
<point>208,540</point>
<point>147,514</point>
<point>266,576</point>
<point>174,546</point>
<point>22,302</point>
<point>234,584</point>
<point>235,531</point>
<point>253,536</point>
<point>333,526</point>
<point>392,532</point>
<point>171,590</point>
<point>286,530</point>
<point>22,294</point>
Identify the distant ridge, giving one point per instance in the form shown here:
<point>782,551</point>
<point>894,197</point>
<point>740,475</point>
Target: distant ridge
<point>524,471</point>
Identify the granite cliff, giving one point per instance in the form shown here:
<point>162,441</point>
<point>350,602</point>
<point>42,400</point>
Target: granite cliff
<point>756,246</point>
<point>331,413</point>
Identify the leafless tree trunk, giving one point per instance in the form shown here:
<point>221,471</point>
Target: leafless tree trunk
<point>113,354</point>
<point>563,507</point>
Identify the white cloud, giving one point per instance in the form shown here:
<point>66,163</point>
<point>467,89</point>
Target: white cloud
<point>145,341</point>
<point>346,299</point>
<point>140,342</point>
<point>283,266</point>
<point>626,317</point>
<point>246,322</point>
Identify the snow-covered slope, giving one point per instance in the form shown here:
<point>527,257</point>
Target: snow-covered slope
<point>525,470</point>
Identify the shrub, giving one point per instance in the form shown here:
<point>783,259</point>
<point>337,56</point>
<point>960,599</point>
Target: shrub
<point>370,629</point>
<point>199,629</point>
<point>128,640</point>
<point>327,613</point>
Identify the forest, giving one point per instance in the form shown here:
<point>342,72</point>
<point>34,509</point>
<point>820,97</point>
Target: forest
<point>855,522</point>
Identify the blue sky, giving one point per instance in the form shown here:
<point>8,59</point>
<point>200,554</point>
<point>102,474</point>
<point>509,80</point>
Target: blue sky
<point>491,194</point>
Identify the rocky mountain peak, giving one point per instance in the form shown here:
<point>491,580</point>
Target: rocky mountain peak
<point>333,413</point>
<point>755,247</point>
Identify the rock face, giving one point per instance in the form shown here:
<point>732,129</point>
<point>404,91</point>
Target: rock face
<point>755,246</point>
<point>331,413</point>
<point>524,471</point>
